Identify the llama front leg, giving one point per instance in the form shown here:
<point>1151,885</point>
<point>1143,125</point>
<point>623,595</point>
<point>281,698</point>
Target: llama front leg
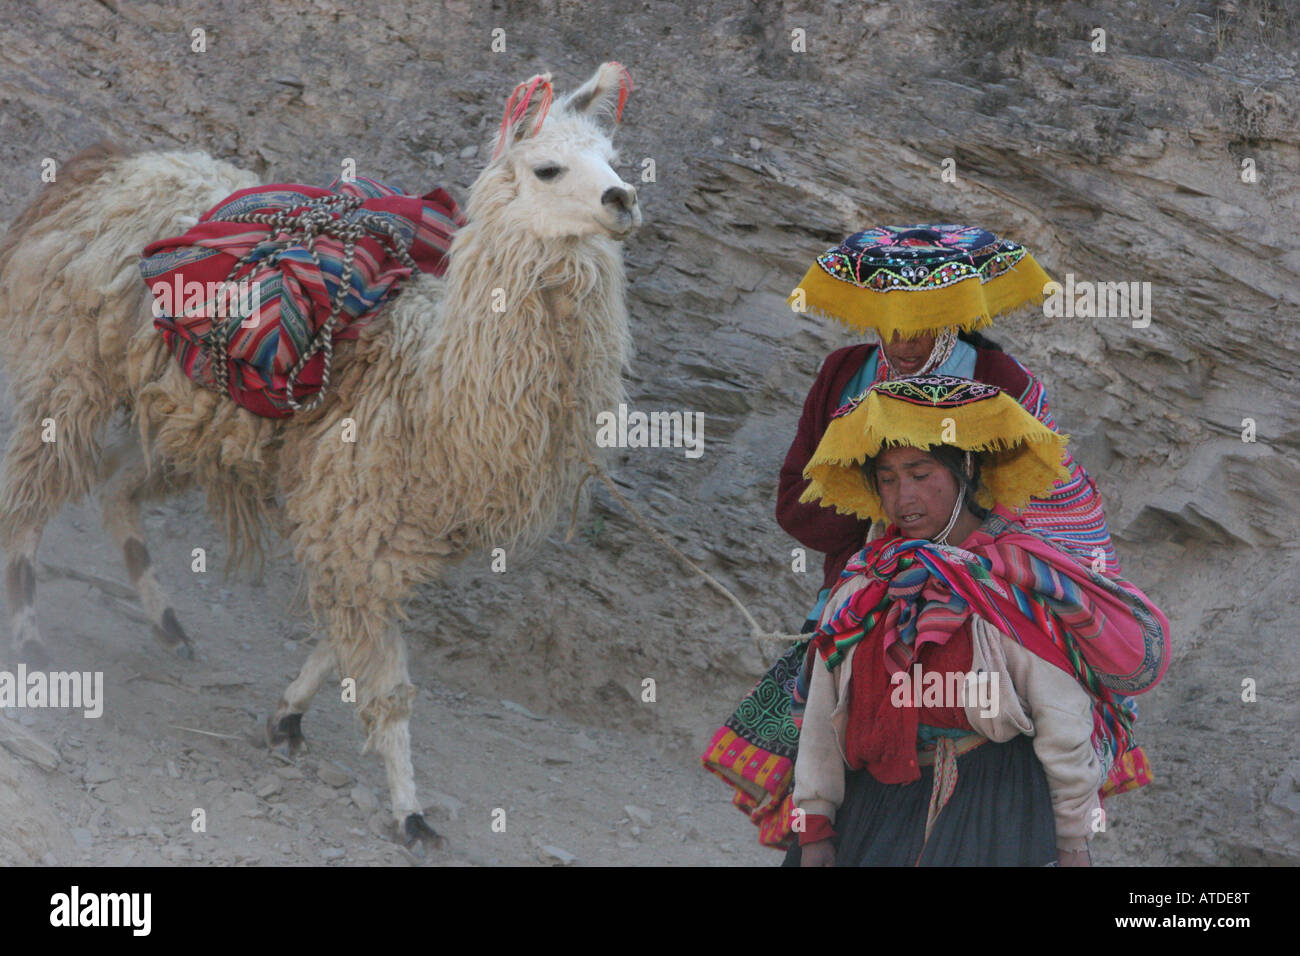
<point>284,727</point>
<point>371,651</point>
<point>126,483</point>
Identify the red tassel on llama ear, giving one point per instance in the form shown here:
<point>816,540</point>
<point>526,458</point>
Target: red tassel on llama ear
<point>624,88</point>
<point>517,106</point>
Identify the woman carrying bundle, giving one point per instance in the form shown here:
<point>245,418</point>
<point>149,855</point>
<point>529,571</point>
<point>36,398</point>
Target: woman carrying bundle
<point>961,691</point>
<point>923,290</point>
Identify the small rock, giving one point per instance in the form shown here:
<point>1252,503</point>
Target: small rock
<point>111,792</point>
<point>514,708</point>
<point>639,816</point>
<point>1285,793</point>
<point>469,152</point>
<point>97,773</point>
<point>333,853</point>
<point>172,771</point>
<point>268,786</point>
<point>242,799</point>
<point>82,837</point>
<point>333,774</point>
<point>717,141</point>
<point>754,144</point>
<point>365,799</point>
<point>555,856</point>
<point>289,772</point>
<point>381,825</point>
<point>438,158</point>
<point>446,803</point>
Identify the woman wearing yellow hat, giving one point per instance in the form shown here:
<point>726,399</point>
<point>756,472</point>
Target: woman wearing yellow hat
<point>923,290</point>
<point>907,755</point>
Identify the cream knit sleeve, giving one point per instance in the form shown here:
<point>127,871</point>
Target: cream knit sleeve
<point>819,766</point>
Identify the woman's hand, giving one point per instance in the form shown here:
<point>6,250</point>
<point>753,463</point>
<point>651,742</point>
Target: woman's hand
<point>1073,857</point>
<point>821,853</point>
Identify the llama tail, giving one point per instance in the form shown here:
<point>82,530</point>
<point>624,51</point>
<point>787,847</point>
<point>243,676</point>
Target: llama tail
<point>78,342</point>
<point>77,177</point>
<point>49,347</point>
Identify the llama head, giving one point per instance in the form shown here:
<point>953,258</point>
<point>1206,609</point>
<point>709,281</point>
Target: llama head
<point>552,174</point>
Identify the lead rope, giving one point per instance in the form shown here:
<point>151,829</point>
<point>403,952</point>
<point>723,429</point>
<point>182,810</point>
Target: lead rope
<point>758,635</point>
<point>322,216</point>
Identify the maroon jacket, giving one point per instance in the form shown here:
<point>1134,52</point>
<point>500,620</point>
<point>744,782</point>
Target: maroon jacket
<point>839,536</point>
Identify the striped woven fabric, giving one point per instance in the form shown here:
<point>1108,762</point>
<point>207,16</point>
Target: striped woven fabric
<point>1103,631</point>
<point>279,299</point>
<point>1071,515</point>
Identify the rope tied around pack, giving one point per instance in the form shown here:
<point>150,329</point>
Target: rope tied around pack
<point>320,217</point>
<point>305,252</point>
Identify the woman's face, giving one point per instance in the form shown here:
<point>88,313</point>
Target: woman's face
<point>917,492</point>
<point>908,355</point>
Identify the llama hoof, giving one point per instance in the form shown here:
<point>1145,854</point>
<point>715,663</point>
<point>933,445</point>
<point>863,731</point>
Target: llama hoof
<point>172,636</point>
<point>417,836</point>
<point>34,654</point>
<point>285,733</point>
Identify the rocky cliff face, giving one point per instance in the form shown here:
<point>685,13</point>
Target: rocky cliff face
<point>1168,158</point>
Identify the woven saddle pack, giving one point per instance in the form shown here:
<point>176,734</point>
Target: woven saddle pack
<point>252,299</point>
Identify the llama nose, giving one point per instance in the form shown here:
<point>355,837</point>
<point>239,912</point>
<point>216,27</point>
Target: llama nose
<point>624,197</point>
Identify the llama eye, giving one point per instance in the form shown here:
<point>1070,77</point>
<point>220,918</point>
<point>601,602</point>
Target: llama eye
<point>548,172</point>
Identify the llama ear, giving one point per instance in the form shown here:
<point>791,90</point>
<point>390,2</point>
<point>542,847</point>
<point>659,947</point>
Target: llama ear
<point>605,92</point>
<point>525,111</point>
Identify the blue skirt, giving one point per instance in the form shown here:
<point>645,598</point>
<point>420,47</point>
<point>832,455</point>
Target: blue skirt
<point>1000,814</point>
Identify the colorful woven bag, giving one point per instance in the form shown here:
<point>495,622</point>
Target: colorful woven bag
<point>252,299</point>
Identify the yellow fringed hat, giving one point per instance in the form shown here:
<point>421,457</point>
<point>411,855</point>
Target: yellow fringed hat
<point>920,279</point>
<point>1021,457</point>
